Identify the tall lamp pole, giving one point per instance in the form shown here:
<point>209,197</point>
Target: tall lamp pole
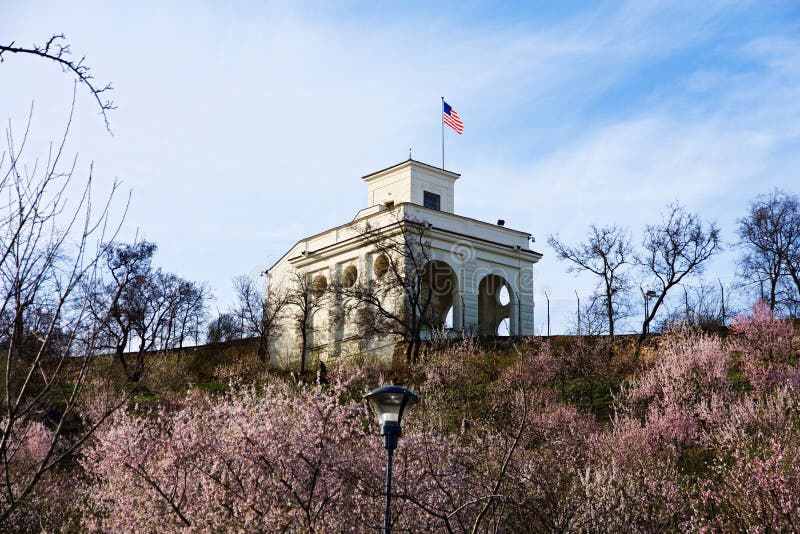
<point>649,294</point>
<point>389,403</point>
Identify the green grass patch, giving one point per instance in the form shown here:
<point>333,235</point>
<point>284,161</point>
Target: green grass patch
<point>590,397</point>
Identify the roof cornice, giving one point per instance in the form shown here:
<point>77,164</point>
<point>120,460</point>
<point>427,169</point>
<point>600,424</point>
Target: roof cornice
<point>410,163</point>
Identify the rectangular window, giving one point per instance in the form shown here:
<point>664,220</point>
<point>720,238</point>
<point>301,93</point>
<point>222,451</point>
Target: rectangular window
<point>432,201</point>
<point>390,204</point>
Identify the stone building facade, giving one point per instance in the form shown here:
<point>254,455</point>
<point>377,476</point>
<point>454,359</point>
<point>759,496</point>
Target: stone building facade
<point>488,267</point>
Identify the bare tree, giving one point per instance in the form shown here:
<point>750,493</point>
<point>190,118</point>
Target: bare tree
<point>135,302</point>
<point>770,237</point>
<point>673,250</point>
<point>593,317</point>
<point>56,49</point>
<point>605,253</point>
<point>189,311</point>
<point>260,308</point>
<point>702,307</point>
<point>226,327</point>
<point>47,234</point>
<point>398,299</point>
<point>306,296</point>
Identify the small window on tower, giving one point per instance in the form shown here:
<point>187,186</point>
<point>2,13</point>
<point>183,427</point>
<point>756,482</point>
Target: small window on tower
<point>432,201</point>
<point>389,205</point>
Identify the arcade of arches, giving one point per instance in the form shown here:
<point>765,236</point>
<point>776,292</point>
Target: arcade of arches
<point>495,301</point>
<point>494,305</point>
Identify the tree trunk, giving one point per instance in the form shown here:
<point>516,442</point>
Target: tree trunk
<point>303,348</point>
<point>409,352</point>
<point>262,348</point>
<point>610,311</point>
<point>119,355</point>
<point>773,282</point>
<point>795,277</point>
<point>417,348</point>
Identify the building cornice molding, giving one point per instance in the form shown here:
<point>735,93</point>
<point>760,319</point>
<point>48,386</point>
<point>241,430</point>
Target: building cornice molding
<point>356,242</point>
<point>401,210</point>
<point>411,163</point>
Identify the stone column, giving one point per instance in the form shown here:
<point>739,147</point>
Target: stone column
<point>468,298</point>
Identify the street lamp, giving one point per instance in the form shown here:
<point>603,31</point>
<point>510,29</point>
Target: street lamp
<point>649,294</point>
<point>390,403</point>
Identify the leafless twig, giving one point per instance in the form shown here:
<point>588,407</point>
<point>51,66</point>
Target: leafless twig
<point>56,49</point>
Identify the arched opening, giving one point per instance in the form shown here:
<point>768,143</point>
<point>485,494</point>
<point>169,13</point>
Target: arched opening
<point>349,276</point>
<point>504,328</point>
<point>438,289</point>
<point>319,285</point>
<point>503,296</point>
<point>380,266</point>
<point>448,319</point>
<point>494,306</point>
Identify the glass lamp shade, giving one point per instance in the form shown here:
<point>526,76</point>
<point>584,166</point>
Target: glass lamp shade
<point>390,402</point>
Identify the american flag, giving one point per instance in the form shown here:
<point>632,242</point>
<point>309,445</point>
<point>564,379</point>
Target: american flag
<point>451,118</point>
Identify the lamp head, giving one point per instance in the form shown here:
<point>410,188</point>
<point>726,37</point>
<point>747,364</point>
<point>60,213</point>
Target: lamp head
<point>390,403</point>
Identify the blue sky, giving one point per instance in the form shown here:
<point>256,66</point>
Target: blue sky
<point>243,126</point>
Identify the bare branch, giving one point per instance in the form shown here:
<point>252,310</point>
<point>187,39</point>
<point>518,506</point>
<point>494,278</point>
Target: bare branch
<point>56,49</point>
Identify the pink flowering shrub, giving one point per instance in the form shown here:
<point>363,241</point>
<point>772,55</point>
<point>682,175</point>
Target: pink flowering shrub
<point>278,459</point>
<point>765,343</point>
<point>685,389</point>
<point>273,459</point>
<point>28,445</point>
<point>538,365</point>
<point>256,459</point>
<point>755,482</point>
<point>633,482</point>
<point>453,364</point>
<point>51,505</point>
<point>544,490</point>
<point>491,448</point>
<point>638,479</point>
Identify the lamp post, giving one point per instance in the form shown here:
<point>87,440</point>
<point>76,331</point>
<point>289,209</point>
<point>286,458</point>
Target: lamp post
<point>390,403</point>
<point>649,294</point>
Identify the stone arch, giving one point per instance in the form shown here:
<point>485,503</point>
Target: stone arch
<point>492,312</point>
<point>440,278</point>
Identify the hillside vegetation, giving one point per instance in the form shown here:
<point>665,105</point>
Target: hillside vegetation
<point>537,437</point>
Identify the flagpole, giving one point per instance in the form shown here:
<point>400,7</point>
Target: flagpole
<point>441,119</point>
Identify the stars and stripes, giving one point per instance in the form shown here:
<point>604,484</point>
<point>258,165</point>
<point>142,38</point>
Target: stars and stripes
<point>451,118</point>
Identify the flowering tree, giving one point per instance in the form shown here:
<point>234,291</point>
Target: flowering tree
<point>264,459</point>
<point>688,448</point>
<point>754,481</point>
<point>766,348</point>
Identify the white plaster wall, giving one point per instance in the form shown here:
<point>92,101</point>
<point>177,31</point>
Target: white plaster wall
<point>394,187</point>
<point>407,182</point>
<point>323,342</point>
<point>422,181</point>
<point>473,249</point>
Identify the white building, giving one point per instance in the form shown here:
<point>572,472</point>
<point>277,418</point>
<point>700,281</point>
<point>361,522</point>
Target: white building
<point>488,267</point>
